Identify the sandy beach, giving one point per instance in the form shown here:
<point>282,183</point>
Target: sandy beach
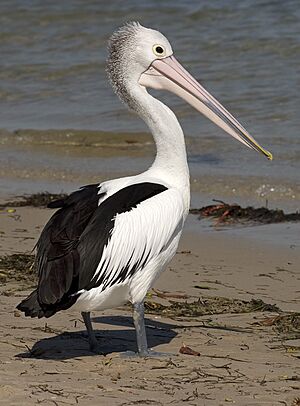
<point>249,358</point>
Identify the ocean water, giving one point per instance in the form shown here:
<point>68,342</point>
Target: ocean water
<point>52,76</point>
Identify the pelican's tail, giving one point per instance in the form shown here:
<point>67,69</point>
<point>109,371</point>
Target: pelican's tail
<point>31,307</point>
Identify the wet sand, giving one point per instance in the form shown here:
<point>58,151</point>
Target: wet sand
<point>243,359</point>
<point>62,160</point>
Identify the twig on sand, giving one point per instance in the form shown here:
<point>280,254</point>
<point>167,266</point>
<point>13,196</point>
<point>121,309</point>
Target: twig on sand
<point>226,328</point>
<point>214,327</point>
<point>166,295</point>
<point>225,357</point>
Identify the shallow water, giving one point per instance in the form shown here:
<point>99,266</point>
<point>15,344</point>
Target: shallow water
<point>53,77</point>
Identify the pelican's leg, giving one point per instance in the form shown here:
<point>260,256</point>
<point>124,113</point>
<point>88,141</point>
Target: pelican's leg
<point>139,324</point>
<point>141,338</point>
<point>94,346</point>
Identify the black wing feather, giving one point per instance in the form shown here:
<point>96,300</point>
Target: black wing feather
<point>72,242</point>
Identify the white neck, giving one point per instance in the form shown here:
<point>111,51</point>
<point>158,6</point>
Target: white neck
<point>171,158</point>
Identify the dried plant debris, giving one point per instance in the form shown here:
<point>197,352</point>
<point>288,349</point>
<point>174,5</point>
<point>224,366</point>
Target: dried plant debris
<point>225,213</point>
<point>188,351</point>
<point>34,200</point>
<point>287,325</point>
<point>18,267</point>
<point>209,305</point>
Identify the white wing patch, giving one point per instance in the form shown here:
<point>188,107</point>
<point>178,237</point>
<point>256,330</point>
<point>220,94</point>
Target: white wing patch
<point>139,236</point>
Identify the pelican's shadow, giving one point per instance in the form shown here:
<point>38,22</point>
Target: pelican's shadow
<point>69,345</point>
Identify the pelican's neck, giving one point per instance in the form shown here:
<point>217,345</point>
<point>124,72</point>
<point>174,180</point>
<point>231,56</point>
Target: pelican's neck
<point>171,155</point>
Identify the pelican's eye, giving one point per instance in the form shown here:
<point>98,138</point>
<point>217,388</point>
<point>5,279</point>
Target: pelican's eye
<point>158,50</point>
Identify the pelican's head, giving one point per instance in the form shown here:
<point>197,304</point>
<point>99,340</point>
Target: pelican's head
<point>132,50</point>
<point>140,56</point>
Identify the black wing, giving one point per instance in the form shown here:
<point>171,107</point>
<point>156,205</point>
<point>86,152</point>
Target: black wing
<point>71,245</point>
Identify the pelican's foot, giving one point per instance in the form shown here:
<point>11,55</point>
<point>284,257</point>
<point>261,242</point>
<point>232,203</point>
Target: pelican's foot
<point>157,354</point>
<point>95,348</point>
<point>147,354</point>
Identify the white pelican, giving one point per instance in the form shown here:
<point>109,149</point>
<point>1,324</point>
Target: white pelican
<point>109,242</point>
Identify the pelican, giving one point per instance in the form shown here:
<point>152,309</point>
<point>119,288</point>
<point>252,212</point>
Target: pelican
<point>107,243</point>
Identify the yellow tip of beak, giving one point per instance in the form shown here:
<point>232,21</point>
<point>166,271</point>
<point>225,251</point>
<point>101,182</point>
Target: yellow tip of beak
<point>269,155</point>
<point>266,153</point>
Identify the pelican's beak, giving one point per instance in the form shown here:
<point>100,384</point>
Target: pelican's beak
<point>169,74</point>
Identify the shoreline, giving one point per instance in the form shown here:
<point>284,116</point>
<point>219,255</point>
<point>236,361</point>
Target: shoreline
<point>63,160</point>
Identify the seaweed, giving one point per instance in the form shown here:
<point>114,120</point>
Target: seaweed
<point>286,325</point>
<point>226,213</point>
<point>18,267</point>
<point>34,200</point>
<point>209,305</point>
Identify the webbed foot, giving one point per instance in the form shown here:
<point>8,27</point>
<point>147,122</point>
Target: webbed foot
<point>95,348</point>
<point>147,354</point>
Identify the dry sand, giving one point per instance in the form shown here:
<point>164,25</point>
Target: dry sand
<point>243,359</point>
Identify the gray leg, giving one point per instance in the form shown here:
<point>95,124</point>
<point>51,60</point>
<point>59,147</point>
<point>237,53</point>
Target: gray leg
<point>94,347</point>
<point>139,324</point>
<point>141,338</point>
